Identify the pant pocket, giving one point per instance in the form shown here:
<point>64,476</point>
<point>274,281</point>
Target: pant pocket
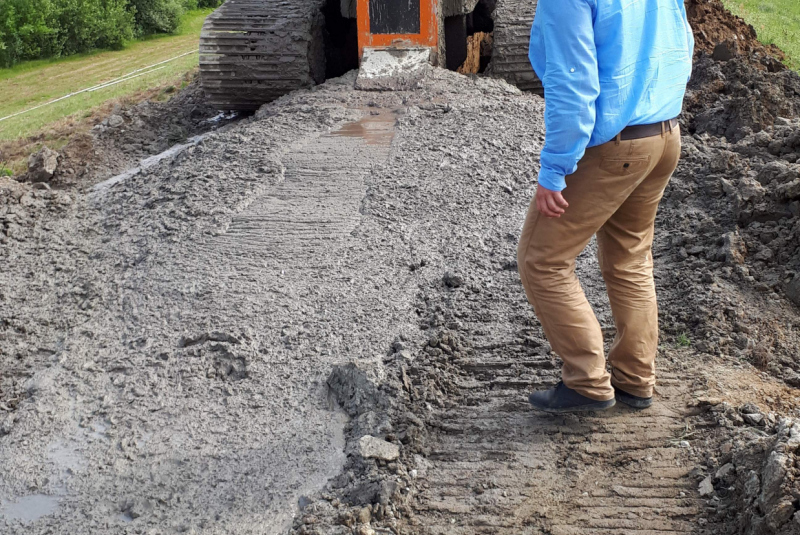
<point>625,166</point>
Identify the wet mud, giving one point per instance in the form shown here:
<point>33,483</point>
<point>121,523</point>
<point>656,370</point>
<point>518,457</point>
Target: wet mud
<point>203,345</point>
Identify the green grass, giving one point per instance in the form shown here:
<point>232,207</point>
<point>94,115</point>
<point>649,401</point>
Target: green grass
<point>683,340</point>
<point>776,22</point>
<point>36,82</point>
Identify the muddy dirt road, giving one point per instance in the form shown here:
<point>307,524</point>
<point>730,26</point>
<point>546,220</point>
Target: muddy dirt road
<point>202,347</point>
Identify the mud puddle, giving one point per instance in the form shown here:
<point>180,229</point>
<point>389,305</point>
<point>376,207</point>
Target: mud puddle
<point>376,128</point>
<point>30,508</point>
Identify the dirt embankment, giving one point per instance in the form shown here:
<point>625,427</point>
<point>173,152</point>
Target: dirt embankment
<point>120,134</point>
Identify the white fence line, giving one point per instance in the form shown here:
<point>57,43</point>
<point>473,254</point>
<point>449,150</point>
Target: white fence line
<point>124,78</point>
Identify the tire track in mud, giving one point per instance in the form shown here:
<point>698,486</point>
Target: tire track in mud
<point>316,205</point>
<point>496,466</point>
<point>477,459</point>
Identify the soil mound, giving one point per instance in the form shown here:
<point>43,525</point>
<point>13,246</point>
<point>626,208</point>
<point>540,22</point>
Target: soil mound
<point>736,98</point>
<point>714,25</point>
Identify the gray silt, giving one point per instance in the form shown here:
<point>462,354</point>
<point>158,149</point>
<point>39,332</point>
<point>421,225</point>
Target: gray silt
<point>179,326</point>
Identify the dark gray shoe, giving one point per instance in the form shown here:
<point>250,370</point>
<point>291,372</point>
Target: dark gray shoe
<point>564,399</point>
<point>632,401</point>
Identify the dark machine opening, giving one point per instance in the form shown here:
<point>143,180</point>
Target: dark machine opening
<point>469,38</point>
<point>341,40</point>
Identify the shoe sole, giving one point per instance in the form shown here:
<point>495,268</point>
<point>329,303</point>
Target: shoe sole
<point>634,404</point>
<point>599,406</point>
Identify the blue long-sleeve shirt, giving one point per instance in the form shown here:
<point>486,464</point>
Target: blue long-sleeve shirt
<point>605,65</point>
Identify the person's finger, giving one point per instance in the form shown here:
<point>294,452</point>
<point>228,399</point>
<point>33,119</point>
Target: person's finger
<point>541,205</point>
<point>553,205</point>
<point>547,212</point>
<point>560,200</point>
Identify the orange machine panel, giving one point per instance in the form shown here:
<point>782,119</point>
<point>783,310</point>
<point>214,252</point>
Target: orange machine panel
<point>378,20</point>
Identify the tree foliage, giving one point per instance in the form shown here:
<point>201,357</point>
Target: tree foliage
<point>33,29</point>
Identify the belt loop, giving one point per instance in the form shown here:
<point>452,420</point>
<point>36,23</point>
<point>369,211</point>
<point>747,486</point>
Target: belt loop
<point>663,129</point>
<point>618,139</point>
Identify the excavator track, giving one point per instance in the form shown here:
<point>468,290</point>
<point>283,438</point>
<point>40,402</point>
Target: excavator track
<point>512,29</point>
<point>254,51</point>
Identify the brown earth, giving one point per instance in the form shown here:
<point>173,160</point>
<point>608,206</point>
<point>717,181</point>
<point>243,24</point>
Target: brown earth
<point>713,25</point>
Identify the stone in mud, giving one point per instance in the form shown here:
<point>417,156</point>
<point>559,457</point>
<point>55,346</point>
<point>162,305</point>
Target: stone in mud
<point>772,478</point>
<point>733,250</point>
<point>42,165</point>
<point>453,280</point>
<point>375,448</point>
<point>754,419</point>
<point>354,391</point>
<point>706,488</point>
<point>725,51</point>
<point>725,471</point>
<point>115,121</point>
<point>790,191</point>
<point>793,291</point>
<point>371,492</point>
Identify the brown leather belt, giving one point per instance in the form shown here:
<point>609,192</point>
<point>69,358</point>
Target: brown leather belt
<point>647,130</point>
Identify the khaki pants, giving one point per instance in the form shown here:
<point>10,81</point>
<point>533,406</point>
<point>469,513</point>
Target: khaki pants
<point>615,194</point>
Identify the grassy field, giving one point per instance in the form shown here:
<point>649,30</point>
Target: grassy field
<point>36,82</point>
<point>776,21</point>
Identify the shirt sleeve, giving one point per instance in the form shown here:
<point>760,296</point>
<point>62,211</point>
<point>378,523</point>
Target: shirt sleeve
<point>564,28</point>
<point>689,34</point>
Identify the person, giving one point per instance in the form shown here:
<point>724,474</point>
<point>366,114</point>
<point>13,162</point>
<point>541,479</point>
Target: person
<point>614,75</point>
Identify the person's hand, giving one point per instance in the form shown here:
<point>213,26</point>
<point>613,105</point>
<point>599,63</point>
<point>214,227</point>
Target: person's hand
<point>550,203</point>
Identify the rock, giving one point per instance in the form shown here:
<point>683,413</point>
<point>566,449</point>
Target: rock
<point>749,408</point>
<point>780,514</point>
<point>375,448</point>
<point>371,492</point>
<point>724,471</point>
<point>750,189</point>
<point>733,250</point>
<point>793,290</point>
<point>772,476</point>
<point>365,515</point>
<point>115,121</point>
<point>355,390</point>
<point>42,165</point>
<point>752,486</point>
<point>451,280</point>
<point>754,419</point>
<point>725,51</point>
<point>706,488</point>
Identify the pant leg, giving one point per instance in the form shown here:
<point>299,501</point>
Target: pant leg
<point>606,176</point>
<point>626,261</point>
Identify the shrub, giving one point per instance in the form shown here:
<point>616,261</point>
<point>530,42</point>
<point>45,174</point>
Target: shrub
<point>31,29</point>
<point>157,16</point>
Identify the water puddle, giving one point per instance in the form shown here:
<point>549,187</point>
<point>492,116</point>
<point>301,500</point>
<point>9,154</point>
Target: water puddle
<point>30,508</point>
<point>66,457</point>
<point>373,129</point>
